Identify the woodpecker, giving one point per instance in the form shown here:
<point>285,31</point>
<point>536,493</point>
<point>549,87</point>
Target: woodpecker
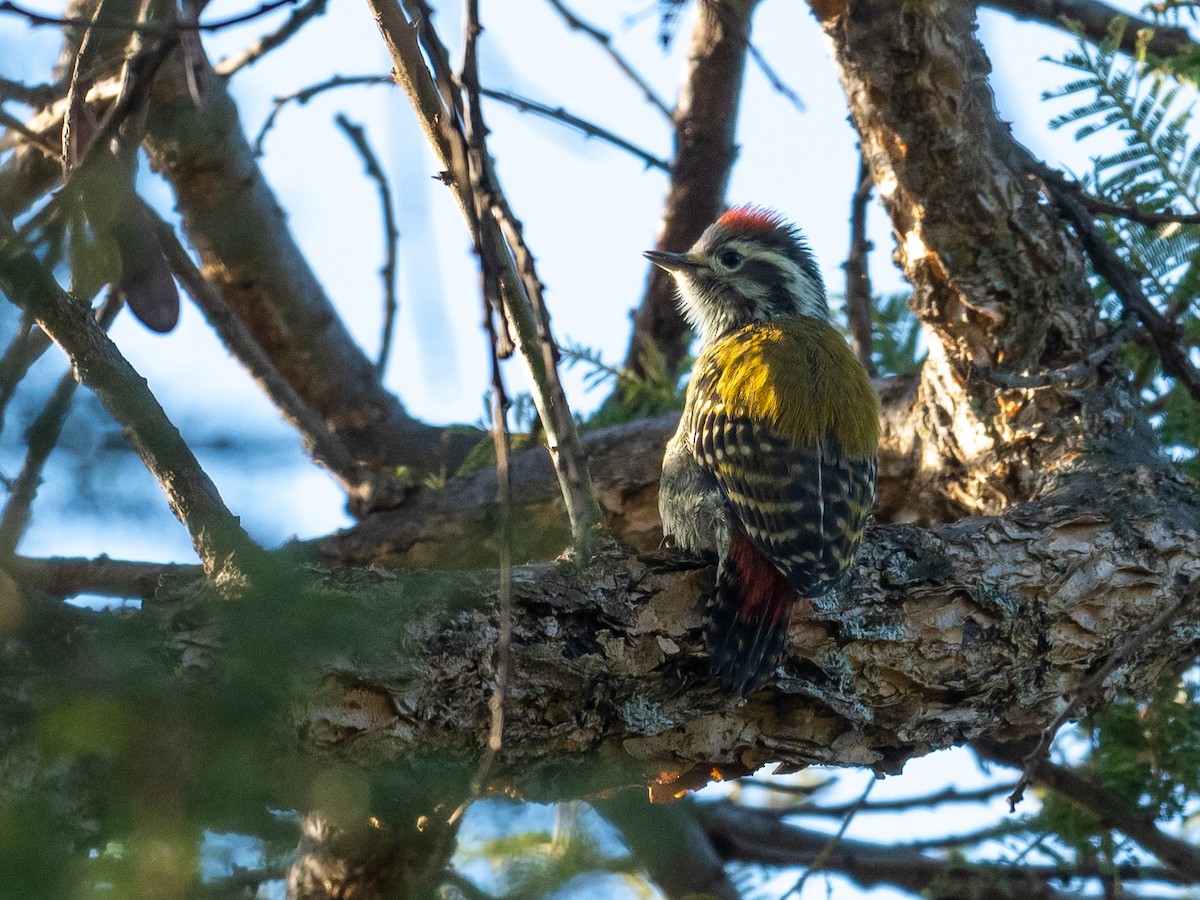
<point>773,465</point>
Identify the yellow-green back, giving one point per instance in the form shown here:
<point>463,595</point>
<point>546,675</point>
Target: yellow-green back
<point>798,375</point>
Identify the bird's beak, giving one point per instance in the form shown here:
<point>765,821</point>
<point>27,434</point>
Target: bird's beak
<point>672,262</point>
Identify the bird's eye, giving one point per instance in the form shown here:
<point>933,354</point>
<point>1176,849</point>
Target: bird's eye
<point>730,259</point>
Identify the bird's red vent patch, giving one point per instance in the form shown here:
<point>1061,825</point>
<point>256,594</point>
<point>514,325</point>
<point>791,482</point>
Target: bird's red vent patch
<point>751,220</point>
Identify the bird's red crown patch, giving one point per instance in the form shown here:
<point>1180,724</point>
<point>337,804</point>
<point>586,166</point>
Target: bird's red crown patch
<point>751,220</point>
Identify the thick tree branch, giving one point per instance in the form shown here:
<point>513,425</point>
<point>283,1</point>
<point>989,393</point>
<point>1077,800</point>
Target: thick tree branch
<point>1093,17</point>
<point>41,438</point>
<point>60,577</point>
<point>257,266</point>
<point>751,835</point>
<point>976,630</point>
<point>363,487</point>
<point>266,279</point>
<point>705,125</point>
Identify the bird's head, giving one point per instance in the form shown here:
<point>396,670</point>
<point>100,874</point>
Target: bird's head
<point>748,266</point>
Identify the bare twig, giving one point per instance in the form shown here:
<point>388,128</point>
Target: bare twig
<point>1141,216</point>
<point>268,42</point>
<point>222,545</point>
<point>1037,756</point>
<point>41,438</point>
<point>780,86</point>
<point>949,794</point>
<point>391,234</point>
<point>591,129</point>
<point>1090,795</point>
<point>1166,335</point>
<point>858,277</point>
<point>481,202</point>
<point>303,95</point>
<point>1105,208</point>
<point>1068,375</point>
<point>36,18</point>
<point>604,39</point>
<point>325,447</point>
<point>1092,17</point>
<point>26,348</point>
<point>818,861</point>
<point>493,312</point>
<point>754,836</point>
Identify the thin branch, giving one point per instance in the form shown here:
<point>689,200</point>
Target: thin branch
<point>482,203</point>
<point>777,83</point>
<point>1038,755</point>
<point>949,794</point>
<point>26,348</point>
<point>1092,18</point>
<point>421,13</point>
<point>493,309</point>
<point>1068,375</point>
<point>859,302</point>
<point>324,446</point>
<point>1105,208</point>
<point>391,234</point>
<point>1090,795</point>
<point>42,437</point>
<point>591,129</point>
<point>1141,216</point>
<point>493,313</point>
<point>1165,334</point>
<point>604,39</point>
<point>70,576</point>
<point>268,42</point>
<point>755,836</point>
<point>37,19</point>
<point>303,95</point>
<point>500,441</point>
<point>818,861</point>
<point>222,545</point>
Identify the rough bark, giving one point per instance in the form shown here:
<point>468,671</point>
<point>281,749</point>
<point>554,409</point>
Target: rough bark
<point>981,629</point>
<point>705,125</point>
<point>998,282</point>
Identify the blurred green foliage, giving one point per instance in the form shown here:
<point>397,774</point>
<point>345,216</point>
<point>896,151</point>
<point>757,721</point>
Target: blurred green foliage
<point>1146,755</point>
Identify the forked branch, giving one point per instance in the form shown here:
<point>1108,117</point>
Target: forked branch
<point>441,110</point>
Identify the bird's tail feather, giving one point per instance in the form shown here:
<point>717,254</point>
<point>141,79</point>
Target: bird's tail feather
<point>746,622</point>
